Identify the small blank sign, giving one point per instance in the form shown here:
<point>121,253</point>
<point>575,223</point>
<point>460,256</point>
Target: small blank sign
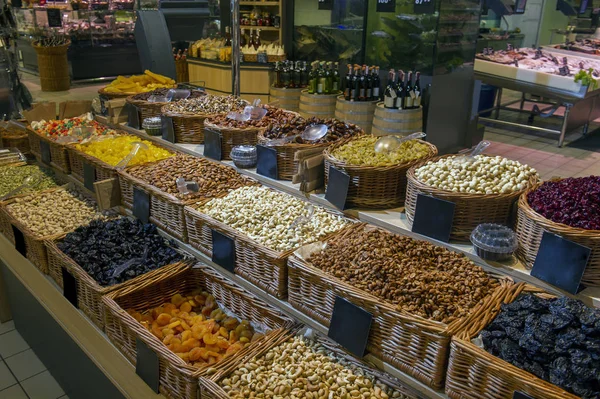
<point>433,217</point>
<point>147,365</point>
<point>350,326</point>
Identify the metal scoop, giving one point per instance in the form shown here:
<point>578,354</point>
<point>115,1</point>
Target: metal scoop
<point>133,261</point>
<point>470,156</point>
<point>311,133</point>
<point>178,94</point>
<point>136,145</point>
<point>186,187</point>
<point>302,220</point>
<point>392,143</point>
<point>28,182</point>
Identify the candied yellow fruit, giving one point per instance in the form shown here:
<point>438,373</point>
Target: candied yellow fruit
<point>112,150</point>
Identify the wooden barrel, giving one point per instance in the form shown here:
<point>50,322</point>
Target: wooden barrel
<point>319,105</point>
<point>358,112</point>
<point>285,98</point>
<point>397,121</point>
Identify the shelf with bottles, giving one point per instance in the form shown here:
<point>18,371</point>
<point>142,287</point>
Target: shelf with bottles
<point>291,74</point>
<point>402,91</point>
<point>362,83</point>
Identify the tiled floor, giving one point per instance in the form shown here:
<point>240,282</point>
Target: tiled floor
<point>22,374</point>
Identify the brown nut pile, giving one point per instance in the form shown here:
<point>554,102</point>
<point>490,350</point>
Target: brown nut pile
<point>336,130</point>
<point>274,117</point>
<point>55,212</point>
<point>163,92</point>
<point>206,105</point>
<point>213,179</point>
<point>417,277</point>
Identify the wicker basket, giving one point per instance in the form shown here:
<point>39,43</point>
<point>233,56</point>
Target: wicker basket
<point>112,96</point>
<point>14,135</point>
<point>189,129</point>
<point>58,151</point>
<point>417,346</point>
<point>34,244</point>
<point>89,292</point>
<point>471,209</point>
<point>166,210</point>
<point>230,137</point>
<point>146,109</point>
<point>262,266</point>
<point>210,389</point>
<point>77,159</point>
<point>178,379</point>
<point>374,186</point>
<point>530,229</point>
<point>474,373</point>
<point>53,66</point>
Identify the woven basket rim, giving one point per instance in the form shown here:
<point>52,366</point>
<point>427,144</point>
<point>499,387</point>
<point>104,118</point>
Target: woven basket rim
<point>412,178</point>
<point>342,164</point>
<point>262,140</point>
<point>121,95</point>
<point>45,138</point>
<point>550,224</point>
<point>232,130</point>
<point>33,44</point>
<point>131,100</point>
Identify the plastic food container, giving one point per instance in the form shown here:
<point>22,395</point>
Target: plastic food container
<point>494,242</point>
<point>152,126</point>
<point>244,156</point>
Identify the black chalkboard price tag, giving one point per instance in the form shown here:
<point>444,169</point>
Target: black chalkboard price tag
<point>54,17</point>
<point>350,326</point>
<point>147,366</point>
<point>325,4</point>
<point>45,152</point>
<point>20,245</point>
<point>89,176</point>
<point>386,6</point>
<point>337,188</point>
<point>561,262</point>
<point>141,205</point>
<point>69,287</point>
<point>433,217</point>
<point>133,116</point>
<point>168,132</point>
<point>266,162</point>
<point>424,6</point>
<point>521,395</point>
<point>223,253</point>
<point>212,144</point>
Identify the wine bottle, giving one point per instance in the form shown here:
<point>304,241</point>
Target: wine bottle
<point>369,85</point>
<point>304,75</point>
<point>321,79</point>
<point>390,94</point>
<point>400,91</point>
<point>335,88</point>
<point>257,40</point>
<point>312,81</point>
<point>348,84</point>
<point>227,37</point>
<point>328,79</point>
<point>376,84</point>
<point>243,40</point>
<point>417,90</point>
<point>410,94</point>
<point>278,75</point>
<point>356,83</point>
<point>251,39</point>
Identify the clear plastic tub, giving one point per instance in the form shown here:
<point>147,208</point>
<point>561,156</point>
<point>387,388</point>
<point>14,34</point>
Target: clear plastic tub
<point>244,156</point>
<point>494,242</point>
<point>152,126</point>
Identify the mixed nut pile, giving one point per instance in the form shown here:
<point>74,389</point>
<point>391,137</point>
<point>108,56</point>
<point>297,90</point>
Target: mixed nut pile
<point>361,152</point>
<point>336,130</point>
<point>274,116</point>
<point>213,179</point>
<point>205,105</point>
<point>484,175</point>
<point>55,212</point>
<point>271,218</point>
<point>196,329</point>
<point>163,92</point>
<point>12,177</point>
<point>415,276</point>
<point>302,368</point>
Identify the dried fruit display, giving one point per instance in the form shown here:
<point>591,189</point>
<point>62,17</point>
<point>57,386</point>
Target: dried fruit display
<point>336,130</point>
<point>303,368</point>
<point>205,105</point>
<point>139,83</point>
<point>112,150</point>
<point>574,201</point>
<point>274,117</point>
<point>558,340</point>
<point>361,152</point>
<point>213,179</point>
<point>415,276</point>
<point>115,251</point>
<point>55,212</point>
<point>483,175</point>
<point>196,329</point>
<point>58,130</point>
<point>12,177</point>
<point>278,221</point>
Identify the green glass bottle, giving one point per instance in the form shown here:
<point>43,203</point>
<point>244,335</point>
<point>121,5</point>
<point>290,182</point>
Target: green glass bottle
<point>312,79</point>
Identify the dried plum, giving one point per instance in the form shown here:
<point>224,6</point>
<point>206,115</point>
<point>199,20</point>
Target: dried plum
<point>125,244</point>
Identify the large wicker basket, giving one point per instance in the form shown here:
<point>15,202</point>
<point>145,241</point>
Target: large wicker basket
<point>177,378</point>
<point>417,346</point>
<point>166,210</point>
<point>53,66</point>
<point>471,209</point>
<point>230,137</point>
<point>58,151</point>
<point>14,135</point>
<point>102,91</point>
<point>530,229</point>
<point>262,266</point>
<point>89,292</point>
<point>188,129</point>
<point>374,186</point>
<point>210,388</point>
<point>146,109</point>
<point>77,160</point>
<point>473,373</point>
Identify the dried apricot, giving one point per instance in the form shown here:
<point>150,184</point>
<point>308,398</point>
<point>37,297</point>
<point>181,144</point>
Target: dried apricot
<point>185,307</point>
<point>177,299</point>
<point>209,339</point>
<point>163,319</point>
